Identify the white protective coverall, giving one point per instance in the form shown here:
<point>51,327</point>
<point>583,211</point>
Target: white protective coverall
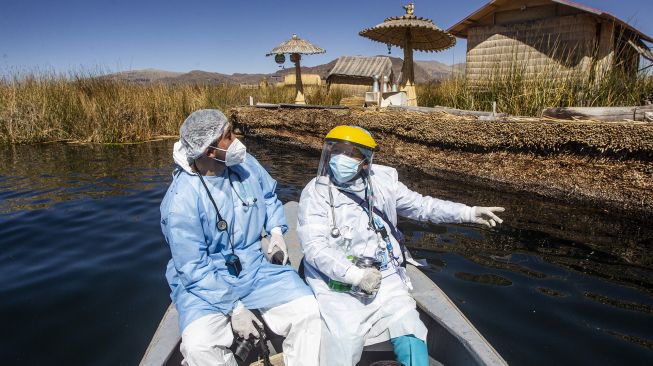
<point>348,322</point>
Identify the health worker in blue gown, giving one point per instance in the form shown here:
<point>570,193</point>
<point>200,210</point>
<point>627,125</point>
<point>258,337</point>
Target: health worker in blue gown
<point>218,205</point>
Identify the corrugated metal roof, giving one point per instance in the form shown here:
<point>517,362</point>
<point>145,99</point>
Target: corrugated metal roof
<point>365,67</point>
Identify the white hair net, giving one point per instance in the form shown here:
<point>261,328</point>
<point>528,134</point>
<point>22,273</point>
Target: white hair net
<point>200,129</point>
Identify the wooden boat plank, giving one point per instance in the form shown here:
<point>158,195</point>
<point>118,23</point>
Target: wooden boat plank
<point>165,340</point>
<point>636,113</point>
<point>434,302</point>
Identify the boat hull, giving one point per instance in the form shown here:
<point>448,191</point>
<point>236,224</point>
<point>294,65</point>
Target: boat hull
<point>452,338</point>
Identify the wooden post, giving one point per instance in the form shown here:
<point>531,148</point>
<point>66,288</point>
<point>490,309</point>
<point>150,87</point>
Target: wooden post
<point>379,97</point>
<point>299,99</point>
<point>408,71</point>
<point>636,113</point>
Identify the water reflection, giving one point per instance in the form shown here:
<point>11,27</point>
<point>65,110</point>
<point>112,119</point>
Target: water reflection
<point>37,176</point>
<point>485,278</point>
<point>557,283</point>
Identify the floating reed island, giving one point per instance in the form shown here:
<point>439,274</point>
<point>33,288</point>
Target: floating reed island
<point>600,163</point>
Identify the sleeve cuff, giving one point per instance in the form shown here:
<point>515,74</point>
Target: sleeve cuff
<point>276,230</point>
<point>238,307</point>
<point>354,275</point>
<point>469,213</point>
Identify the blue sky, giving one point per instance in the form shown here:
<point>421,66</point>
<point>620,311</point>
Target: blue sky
<point>219,36</point>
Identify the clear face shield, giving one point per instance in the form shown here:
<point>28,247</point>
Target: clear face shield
<point>344,165</point>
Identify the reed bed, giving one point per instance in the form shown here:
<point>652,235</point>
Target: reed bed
<point>85,108</point>
<point>522,97</point>
<point>519,92</point>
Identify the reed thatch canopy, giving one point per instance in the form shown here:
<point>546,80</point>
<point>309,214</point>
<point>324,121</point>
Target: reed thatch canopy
<point>410,33</point>
<point>296,45</point>
<point>424,34</point>
<point>460,29</point>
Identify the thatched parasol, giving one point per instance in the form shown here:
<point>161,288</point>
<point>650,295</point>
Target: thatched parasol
<point>296,47</point>
<point>410,33</point>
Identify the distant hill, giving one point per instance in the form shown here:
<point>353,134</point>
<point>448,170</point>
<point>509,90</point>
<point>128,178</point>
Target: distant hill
<point>439,71</point>
<point>322,70</point>
<point>144,76</point>
<point>425,71</point>
<point>421,75</point>
<point>199,77</point>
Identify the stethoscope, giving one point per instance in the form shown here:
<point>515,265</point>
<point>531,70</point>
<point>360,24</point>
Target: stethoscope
<point>335,231</point>
<point>221,223</point>
<point>240,179</point>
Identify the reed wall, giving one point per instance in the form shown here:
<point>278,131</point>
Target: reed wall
<point>350,85</point>
<point>562,46</point>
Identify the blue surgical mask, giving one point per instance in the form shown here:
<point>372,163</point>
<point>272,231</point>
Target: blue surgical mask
<point>343,167</point>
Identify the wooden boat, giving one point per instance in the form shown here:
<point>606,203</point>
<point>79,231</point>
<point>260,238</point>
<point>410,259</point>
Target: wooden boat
<point>452,339</point>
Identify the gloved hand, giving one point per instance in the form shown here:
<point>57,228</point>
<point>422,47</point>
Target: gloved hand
<point>371,280</point>
<point>277,244</point>
<point>486,216</point>
<point>242,322</point>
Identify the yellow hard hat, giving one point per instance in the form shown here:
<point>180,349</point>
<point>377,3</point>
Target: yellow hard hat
<point>352,134</point>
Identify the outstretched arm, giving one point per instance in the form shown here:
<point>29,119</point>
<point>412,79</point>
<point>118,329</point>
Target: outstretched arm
<point>415,206</point>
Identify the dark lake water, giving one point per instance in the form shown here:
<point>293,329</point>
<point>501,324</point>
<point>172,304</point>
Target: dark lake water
<point>82,260</point>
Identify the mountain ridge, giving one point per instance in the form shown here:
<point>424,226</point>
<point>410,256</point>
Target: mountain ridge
<point>425,71</point>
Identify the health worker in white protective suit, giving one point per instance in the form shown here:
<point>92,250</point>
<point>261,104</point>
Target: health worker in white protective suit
<point>212,216</point>
<point>352,252</point>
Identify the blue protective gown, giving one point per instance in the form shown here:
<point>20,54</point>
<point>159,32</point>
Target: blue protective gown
<point>199,281</point>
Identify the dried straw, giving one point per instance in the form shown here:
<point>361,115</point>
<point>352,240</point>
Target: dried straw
<point>603,163</point>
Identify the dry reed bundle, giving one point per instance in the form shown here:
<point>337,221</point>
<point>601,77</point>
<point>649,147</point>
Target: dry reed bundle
<point>84,108</point>
<point>565,160</point>
<point>626,140</point>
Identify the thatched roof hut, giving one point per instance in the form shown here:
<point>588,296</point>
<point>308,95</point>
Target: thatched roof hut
<point>557,38</point>
<point>355,73</point>
<point>307,80</point>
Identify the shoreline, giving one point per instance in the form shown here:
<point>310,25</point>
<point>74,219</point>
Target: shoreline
<point>601,165</point>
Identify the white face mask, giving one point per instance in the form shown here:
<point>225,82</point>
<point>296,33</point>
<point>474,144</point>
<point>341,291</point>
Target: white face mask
<point>235,154</point>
